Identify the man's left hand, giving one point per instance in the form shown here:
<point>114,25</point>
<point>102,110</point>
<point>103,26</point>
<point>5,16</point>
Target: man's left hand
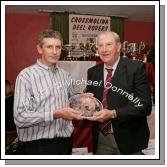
<point>104,115</point>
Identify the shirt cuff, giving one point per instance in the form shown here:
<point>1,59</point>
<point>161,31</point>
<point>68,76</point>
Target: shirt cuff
<point>48,116</point>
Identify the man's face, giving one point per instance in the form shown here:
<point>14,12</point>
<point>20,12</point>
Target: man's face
<point>50,51</point>
<point>108,48</point>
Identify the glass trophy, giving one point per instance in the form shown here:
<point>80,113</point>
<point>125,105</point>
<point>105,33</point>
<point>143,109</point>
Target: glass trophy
<point>86,106</point>
<point>125,48</point>
<point>136,48</point>
<point>69,48</point>
<point>83,48</point>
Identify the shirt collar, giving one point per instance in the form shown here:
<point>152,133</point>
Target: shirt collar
<point>46,67</point>
<point>114,66</point>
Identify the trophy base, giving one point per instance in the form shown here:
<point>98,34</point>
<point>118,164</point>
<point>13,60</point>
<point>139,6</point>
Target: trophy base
<point>68,58</point>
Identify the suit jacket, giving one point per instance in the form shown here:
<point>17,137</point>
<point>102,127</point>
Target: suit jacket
<point>130,96</point>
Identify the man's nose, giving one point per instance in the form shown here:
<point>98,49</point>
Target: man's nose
<point>54,50</point>
<point>104,48</point>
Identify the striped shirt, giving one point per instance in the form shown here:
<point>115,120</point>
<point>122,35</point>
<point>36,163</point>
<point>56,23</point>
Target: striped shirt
<point>39,91</point>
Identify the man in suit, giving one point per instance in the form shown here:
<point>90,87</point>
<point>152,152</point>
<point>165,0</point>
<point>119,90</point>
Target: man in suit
<point>125,96</point>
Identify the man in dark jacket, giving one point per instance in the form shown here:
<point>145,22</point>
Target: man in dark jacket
<point>125,95</point>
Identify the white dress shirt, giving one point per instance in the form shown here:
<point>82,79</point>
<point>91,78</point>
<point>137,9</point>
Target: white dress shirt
<point>113,71</point>
<point>39,91</point>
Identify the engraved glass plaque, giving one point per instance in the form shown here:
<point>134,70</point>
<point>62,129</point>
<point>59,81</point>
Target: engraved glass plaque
<point>85,105</point>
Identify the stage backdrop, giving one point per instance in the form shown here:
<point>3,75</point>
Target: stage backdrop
<point>84,28</point>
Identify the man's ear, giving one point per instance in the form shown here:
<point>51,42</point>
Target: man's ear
<point>39,49</point>
<point>119,46</point>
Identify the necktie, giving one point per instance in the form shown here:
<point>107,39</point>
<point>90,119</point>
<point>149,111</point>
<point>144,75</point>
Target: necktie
<point>105,127</point>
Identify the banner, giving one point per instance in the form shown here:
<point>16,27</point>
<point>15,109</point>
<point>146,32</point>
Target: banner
<point>84,29</point>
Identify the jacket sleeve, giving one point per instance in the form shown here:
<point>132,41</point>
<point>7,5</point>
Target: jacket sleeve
<point>142,92</point>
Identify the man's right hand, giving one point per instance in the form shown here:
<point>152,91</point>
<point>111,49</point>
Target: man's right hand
<point>67,114</point>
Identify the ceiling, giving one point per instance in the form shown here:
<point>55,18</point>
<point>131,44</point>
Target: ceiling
<point>131,12</point>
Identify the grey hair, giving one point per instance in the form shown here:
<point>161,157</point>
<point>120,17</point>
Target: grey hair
<point>116,36</point>
<point>49,34</point>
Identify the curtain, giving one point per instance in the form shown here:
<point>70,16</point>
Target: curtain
<point>117,25</point>
<point>60,22</point>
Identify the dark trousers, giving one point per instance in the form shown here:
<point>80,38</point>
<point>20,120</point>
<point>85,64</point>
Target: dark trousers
<point>56,146</point>
<point>108,146</point>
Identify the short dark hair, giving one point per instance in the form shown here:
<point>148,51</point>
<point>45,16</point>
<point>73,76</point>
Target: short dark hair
<point>49,34</point>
